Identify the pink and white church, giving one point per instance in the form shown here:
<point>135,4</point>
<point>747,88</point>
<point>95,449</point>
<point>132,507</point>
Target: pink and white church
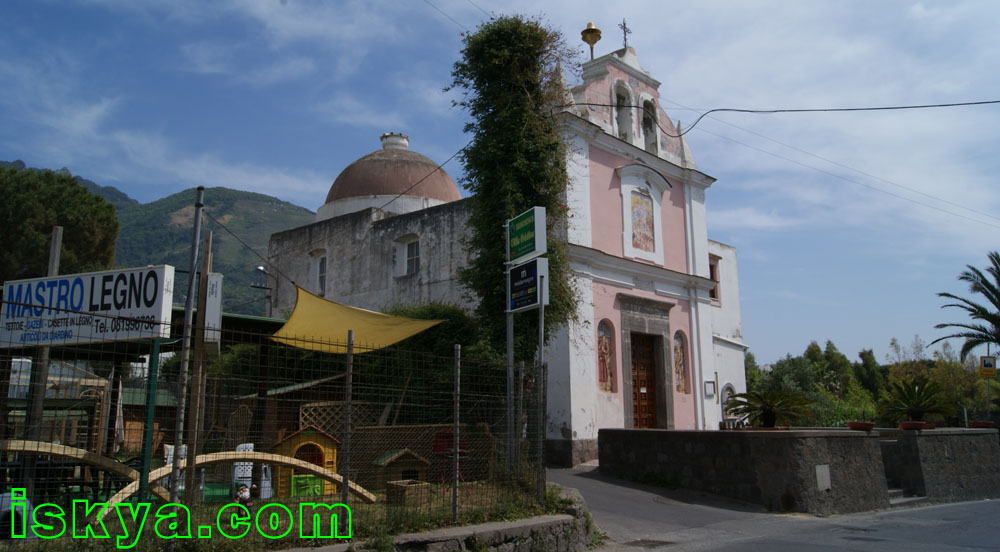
<point>659,340</point>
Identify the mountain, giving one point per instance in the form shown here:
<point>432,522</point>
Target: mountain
<point>160,233</point>
<point>110,194</point>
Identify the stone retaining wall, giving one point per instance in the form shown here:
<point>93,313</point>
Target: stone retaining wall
<point>815,471</point>
<point>944,465</point>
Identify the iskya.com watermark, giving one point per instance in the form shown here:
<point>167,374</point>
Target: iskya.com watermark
<point>173,521</point>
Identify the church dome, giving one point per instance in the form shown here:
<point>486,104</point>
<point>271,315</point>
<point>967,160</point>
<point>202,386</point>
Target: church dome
<point>380,176</point>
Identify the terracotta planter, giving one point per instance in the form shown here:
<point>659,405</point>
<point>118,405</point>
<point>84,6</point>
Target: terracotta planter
<point>930,425</point>
<point>861,426</point>
<point>981,424</point>
<point>911,425</point>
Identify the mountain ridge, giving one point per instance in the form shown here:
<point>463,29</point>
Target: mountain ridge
<point>159,232</point>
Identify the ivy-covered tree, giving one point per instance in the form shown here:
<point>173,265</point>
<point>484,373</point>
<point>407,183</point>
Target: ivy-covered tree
<point>510,75</point>
<point>36,200</point>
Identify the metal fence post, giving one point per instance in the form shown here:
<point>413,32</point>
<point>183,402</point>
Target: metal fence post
<point>346,457</point>
<point>518,424</point>
<point>147,428</point>
<point>540,391</point>
<point>455,441</point>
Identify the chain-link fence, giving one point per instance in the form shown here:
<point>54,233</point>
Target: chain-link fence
<point>421,439</point>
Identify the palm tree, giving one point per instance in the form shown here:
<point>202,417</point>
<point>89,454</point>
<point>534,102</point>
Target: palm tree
<point>985,325</point>
<point>912,400</point>
<point>768,408</point>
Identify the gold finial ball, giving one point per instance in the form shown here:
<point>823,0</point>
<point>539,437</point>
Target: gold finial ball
<point>591,34</point>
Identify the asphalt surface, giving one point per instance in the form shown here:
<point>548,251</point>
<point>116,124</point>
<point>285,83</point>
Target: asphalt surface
<point>638,517</point>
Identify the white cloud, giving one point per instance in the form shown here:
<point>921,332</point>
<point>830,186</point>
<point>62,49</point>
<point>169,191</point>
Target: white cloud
<point>288,69</point>
<point>749,218</point>
<point>153,155</point>
<point>208,58</point>
<point>352,111</point>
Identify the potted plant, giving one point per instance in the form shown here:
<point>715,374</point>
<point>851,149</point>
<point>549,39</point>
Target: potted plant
<point>865,424</point>
<point>768,408</point>
<point>910,401</point>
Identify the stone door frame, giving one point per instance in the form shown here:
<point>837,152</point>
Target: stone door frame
<point>651,317</point>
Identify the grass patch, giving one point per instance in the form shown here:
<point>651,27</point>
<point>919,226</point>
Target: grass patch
<point>373,525</point>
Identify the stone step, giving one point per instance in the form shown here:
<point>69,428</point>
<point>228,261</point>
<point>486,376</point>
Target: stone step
<point>906,502</point>
<point>896,493</point>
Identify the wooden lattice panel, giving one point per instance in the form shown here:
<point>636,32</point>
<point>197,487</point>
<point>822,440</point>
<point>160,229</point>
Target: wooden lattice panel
<point>329,415</point>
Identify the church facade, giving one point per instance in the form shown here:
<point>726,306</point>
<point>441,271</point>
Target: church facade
<point>659,341</point>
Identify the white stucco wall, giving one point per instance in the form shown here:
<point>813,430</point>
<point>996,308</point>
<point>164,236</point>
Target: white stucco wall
<point>727,331</point>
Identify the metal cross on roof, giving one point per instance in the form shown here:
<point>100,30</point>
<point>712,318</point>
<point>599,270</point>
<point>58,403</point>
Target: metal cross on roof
<point>625,32</point>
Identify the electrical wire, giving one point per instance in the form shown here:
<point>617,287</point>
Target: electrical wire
<point>772,111</point>
<point>426,176</point>
<point>453,20</point>
<point>481,9</point>
<point>843,166</point>
<point>248,246</point>
<point>853,181</point>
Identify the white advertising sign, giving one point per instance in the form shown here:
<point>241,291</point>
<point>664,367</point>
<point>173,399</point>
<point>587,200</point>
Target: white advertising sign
<point>114,305</point>
<point>213,308</point>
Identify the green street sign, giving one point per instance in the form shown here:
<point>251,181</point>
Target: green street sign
<point>526,235</point>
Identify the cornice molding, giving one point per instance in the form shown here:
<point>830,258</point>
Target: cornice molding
<point>611,144</point>
<point>718,337</point>
<point>624,272</point>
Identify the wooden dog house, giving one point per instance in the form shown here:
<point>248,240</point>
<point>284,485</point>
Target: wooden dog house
<point>312,445</point>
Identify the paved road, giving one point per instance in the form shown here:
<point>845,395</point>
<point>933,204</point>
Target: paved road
<point>637,517</point>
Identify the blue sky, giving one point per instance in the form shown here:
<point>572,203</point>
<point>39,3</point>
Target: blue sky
<point>846,224</point>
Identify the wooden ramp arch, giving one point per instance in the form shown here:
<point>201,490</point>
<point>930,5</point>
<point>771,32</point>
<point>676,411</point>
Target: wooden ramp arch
<point>240,456</point>
<point>85,456</point>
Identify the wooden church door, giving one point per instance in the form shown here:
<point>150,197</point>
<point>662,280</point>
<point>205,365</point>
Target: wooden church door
<point>643,381</point>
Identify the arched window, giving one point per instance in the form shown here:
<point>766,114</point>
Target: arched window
<point>649,128</point>
<point>727,393</point>
<point>606,356</point>
<point>623,111</point>
<point>681,378</point>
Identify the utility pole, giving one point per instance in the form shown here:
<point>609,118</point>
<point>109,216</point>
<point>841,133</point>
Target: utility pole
<point>186,352</point>
<point>39,380</point>
<point>198,389</point>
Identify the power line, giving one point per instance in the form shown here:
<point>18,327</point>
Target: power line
<point>426,176</point>
<point>773,111</point>
<point>846,179</point>
<point>848,167</point>
<point>883,108</point>
<point>248,246</point>
<point>840,109</point>
<point>481,9</point>
<point>453,20</point>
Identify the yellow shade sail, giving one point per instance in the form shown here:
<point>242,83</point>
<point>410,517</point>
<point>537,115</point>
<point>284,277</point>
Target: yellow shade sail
<point>320,325</point>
